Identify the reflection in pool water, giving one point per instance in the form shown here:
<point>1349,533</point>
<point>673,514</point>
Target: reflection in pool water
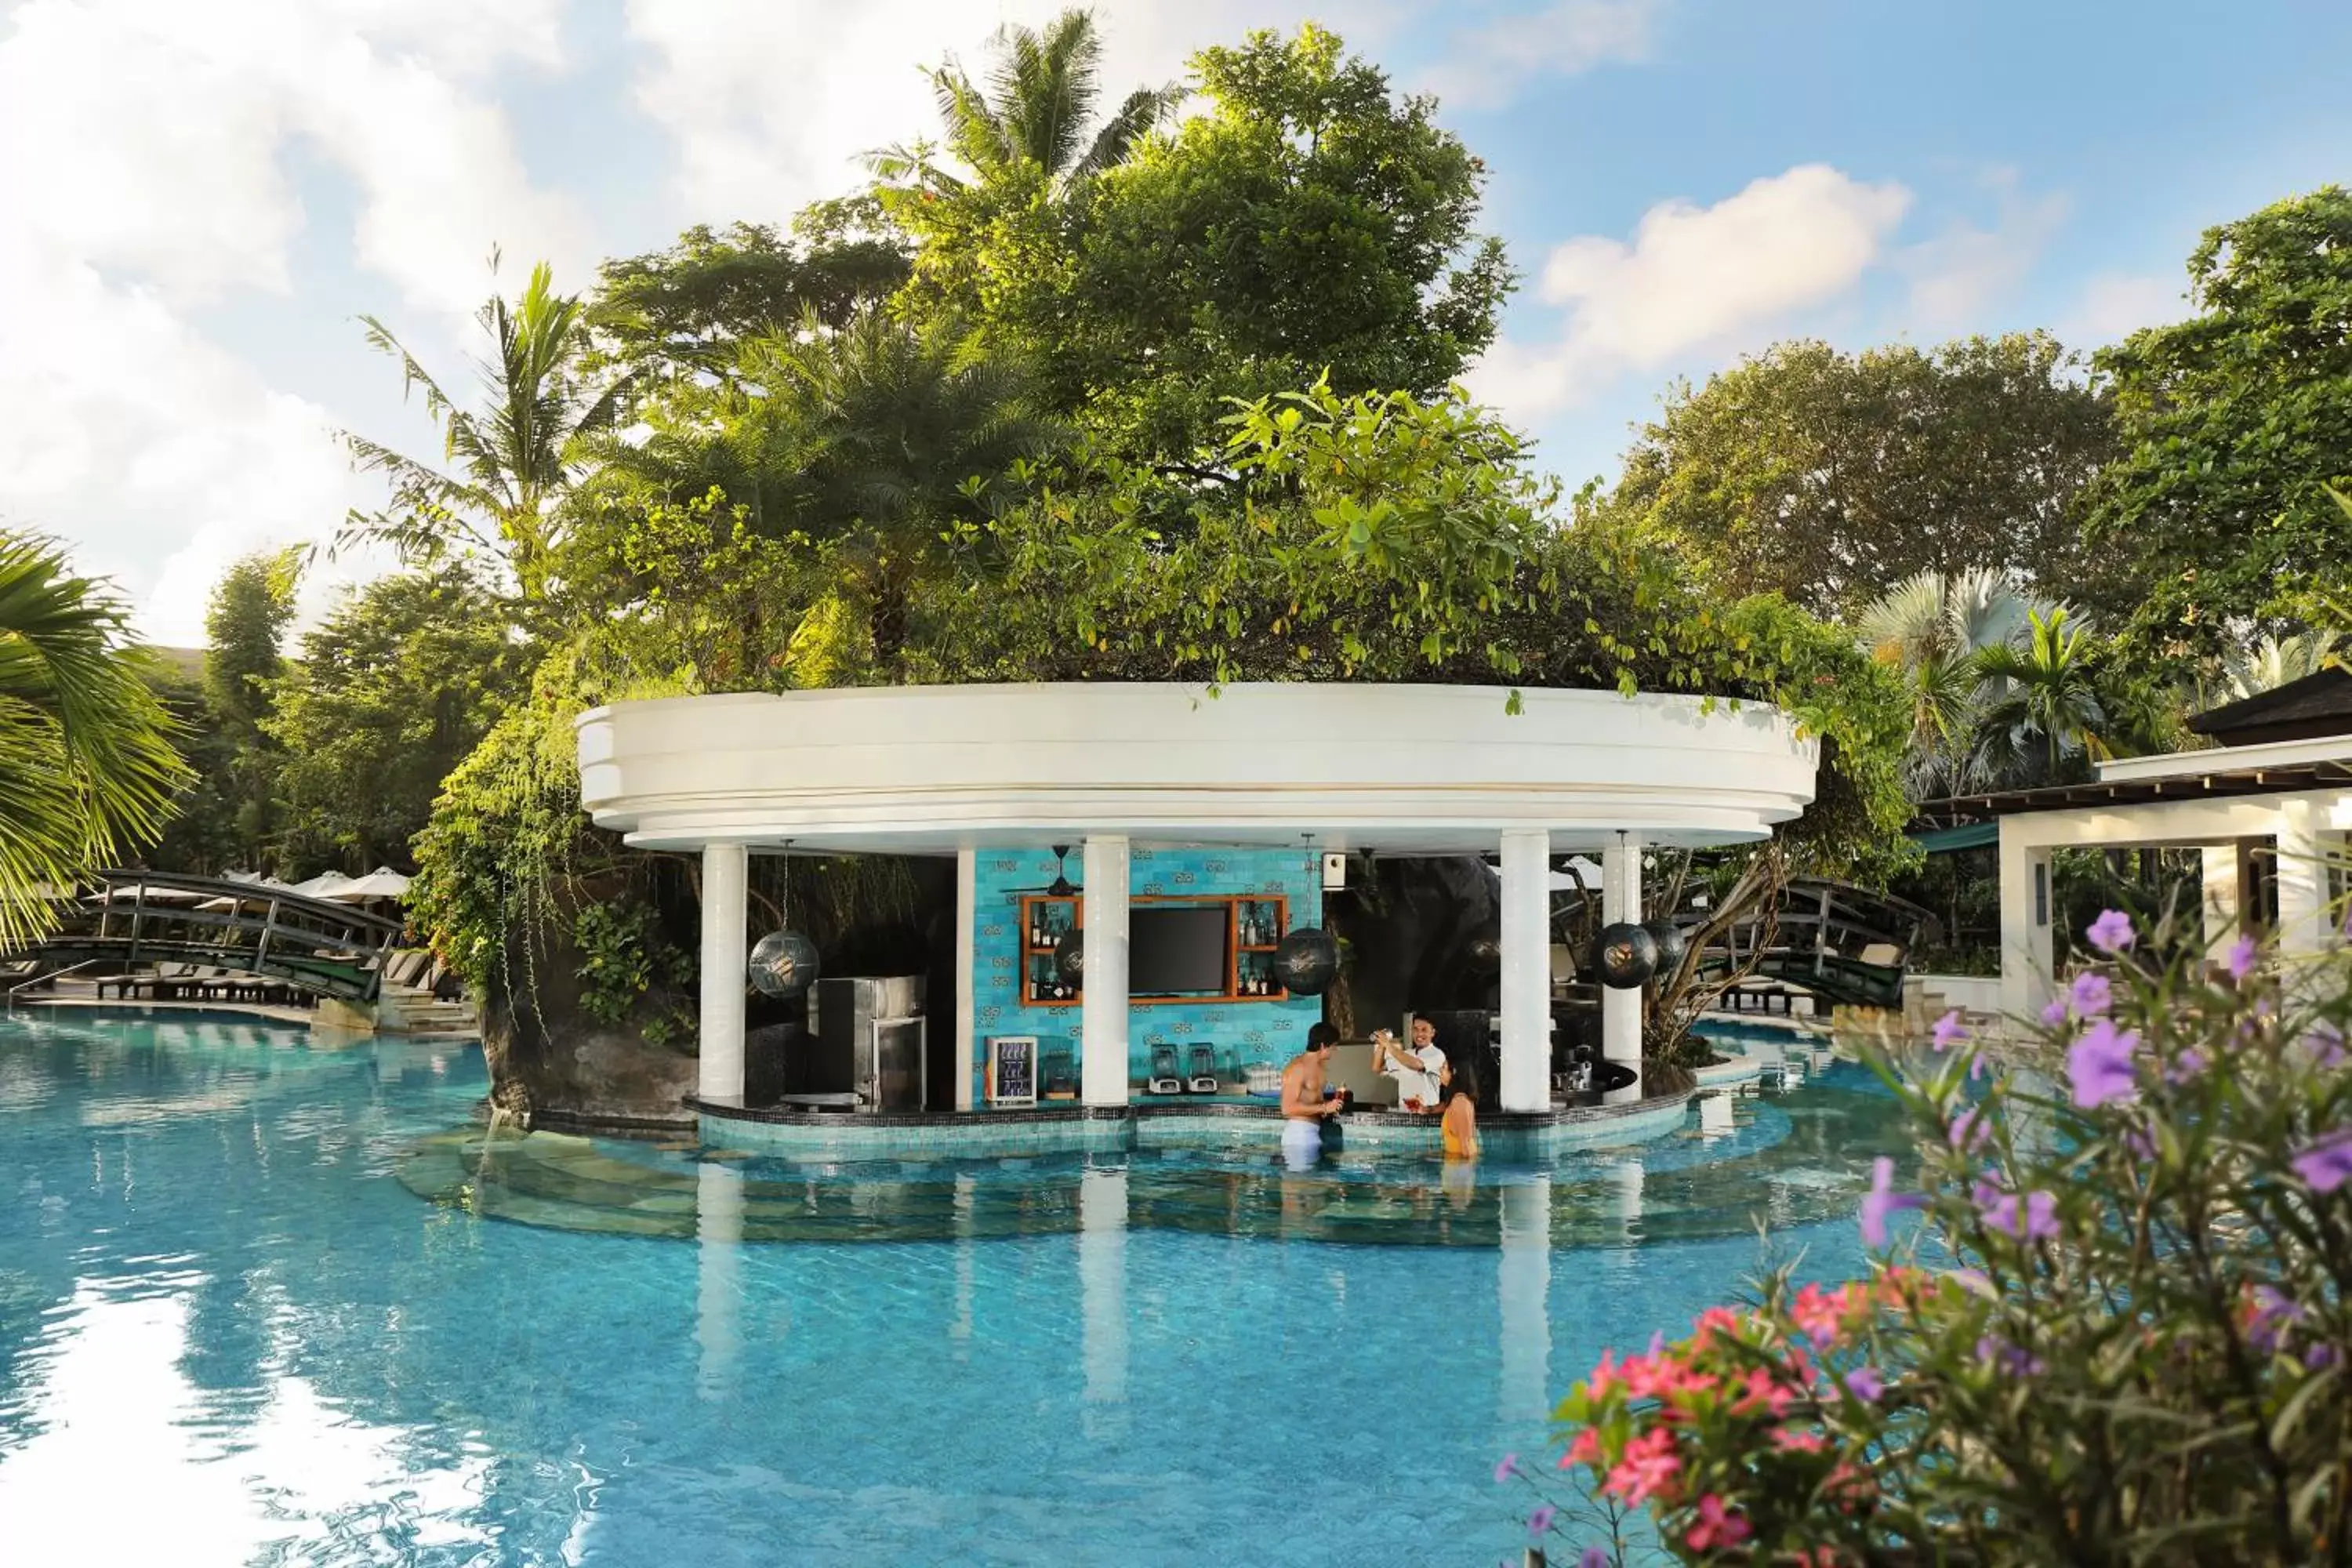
<point>220,1293</point>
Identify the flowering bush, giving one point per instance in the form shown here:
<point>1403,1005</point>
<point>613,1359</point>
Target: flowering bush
<point>2116,1331</point>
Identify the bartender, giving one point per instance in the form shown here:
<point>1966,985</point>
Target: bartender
<point>1420,1070</point>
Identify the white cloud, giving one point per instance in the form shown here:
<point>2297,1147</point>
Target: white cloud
<point>143,147</point>
<point>1695,278</point>
<point>1958,273</point>
<point>770,102</point>
<point>1491,65</point>
<point>2113,305</point>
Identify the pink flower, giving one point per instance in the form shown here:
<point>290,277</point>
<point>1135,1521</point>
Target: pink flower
<point>2100,1065</point>
<point>1583,1450</point>
<point>1648,1469</point>
<point>2240,962</point>
<point>2091,995</point>
<point>1949,1031</point>
<point>1822,1314</point>
<point>1592,1557</point>
<point>2327,1163</point>
<point>1968,1130</point>
<point>2111,932</point>
<point>1883,1201</point>
<point>1759,1390</point>
<point>1539,1522</point>
<point>1716,1527</point>
<point>1788,1440</point>
<point>1506,1469</point>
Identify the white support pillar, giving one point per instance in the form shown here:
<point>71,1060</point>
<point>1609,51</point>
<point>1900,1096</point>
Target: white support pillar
<point>2227,896</point>
<point>1527,971</point>
<point>1103,1005</point>
<point>726,945</point>
<point>1621,1011</point>
<point>2307,923</point>
<point>967,950</point>
<point>2027,965</point>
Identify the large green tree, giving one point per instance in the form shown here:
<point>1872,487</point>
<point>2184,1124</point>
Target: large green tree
<point>1308,222</point>
<point>2236,421</point>
<point>87,771</point>
<point>244,631</point>
<point>391,690</point>
<point>1831,476</point>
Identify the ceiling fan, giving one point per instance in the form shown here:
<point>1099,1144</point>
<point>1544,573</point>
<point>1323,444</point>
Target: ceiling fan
<point>1061,887</point>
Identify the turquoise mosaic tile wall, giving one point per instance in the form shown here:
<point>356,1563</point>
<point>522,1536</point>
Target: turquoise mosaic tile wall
<point>1241,1032</point>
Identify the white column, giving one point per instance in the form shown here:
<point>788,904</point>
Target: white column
<point>967,938</point>
<point>1523,1290</point>
<point>1102,1007</point>
<point>726,944</point>
<point>2225,895</point>
<point>719,1299</point>
<point>2306,923</point>
<point>1102,1294</point>
<point>1621,1011</point>
<point>1527,970</point>
<point>2026,898</point>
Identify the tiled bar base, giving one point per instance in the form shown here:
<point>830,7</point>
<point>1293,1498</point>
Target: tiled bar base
<point>1051,1130</point>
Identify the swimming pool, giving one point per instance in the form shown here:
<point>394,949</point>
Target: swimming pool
<point>262,1300</point>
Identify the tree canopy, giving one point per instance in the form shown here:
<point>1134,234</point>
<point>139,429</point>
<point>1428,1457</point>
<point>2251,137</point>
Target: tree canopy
<point>2236,422</point>
<point>1832,477</point>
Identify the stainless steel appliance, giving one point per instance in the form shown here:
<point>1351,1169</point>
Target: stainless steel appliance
<point>866,1036</point>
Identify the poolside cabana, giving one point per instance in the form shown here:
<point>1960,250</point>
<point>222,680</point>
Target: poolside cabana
<point>2269,806</point>
<point>1126,770</point>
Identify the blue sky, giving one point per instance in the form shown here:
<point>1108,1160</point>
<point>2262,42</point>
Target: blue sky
<point>201,195</point>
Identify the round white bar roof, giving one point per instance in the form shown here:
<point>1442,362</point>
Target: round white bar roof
<point>1398,769</point>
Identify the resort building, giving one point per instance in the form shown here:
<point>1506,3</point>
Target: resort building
<point>1199,827</point>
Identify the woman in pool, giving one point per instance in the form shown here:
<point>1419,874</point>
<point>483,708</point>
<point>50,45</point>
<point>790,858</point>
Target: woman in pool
<point>1460,1122</point>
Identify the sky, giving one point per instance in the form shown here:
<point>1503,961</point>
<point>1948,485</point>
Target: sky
<point>199,198</point>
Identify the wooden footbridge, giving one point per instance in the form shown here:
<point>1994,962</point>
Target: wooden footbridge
<point>1842,942</point>
<point>150,920</point>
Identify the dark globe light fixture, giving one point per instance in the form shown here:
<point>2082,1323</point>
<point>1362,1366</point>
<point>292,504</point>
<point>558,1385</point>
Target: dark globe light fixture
<point>783,963</point>
<point>1672,945</point>
<point>1306,961</point>
<point>1626,956</point>
<point>1070,957</point>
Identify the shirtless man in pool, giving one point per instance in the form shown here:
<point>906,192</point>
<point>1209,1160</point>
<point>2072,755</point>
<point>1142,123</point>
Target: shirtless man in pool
<point>1304,1109</point>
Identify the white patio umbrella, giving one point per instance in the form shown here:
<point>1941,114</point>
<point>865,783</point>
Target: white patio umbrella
<point>262,888</point>
<point>126,893</point>
<point>325,885</point>
<point>383,882</point>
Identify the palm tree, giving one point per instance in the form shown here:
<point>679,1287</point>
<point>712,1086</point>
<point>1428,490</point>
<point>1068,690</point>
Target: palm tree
<point>86,767</point>
<point>1033,114</point>
<point>1933,628</point>
<point>2045,708</point>
<point>2271,663</point>
<point>513,460</point>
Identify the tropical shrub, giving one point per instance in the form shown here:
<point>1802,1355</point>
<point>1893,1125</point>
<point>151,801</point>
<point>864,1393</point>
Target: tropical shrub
<point>2115,1335</point>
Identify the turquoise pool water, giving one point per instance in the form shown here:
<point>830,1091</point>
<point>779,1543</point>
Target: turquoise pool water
<point>267,1302</point>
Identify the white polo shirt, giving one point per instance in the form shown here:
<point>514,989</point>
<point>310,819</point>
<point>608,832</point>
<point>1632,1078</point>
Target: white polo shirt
<point>1421,1085</point>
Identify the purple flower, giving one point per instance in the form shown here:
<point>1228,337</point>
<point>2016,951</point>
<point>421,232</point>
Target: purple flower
<point>2055,1011</point>
<point>1968,1130</point>
<point>2272,1312</point>
<point>2028,1219</point>
<point>1506,1469</point>
<point>1539,1522</point>
<point>2320,1355</point>
<point>2325,1164</point>
<point>1883,1201</point>
<point>1864,1384</point>
<point>2139,1144</point>
<point>2186,1066</point>
<point>1948,1031</point>
<point>2100,1065</point>
<point>2240,962</point>
<point>2111,932</point>
<point>2007,1357</point>
<point>1592,1557</point>
<point>2091,994</point>
<point>2324,1044</point>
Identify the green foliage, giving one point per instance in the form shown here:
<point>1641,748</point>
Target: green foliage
<point>1830,478</point>
<point>1308,223</point>
<point>2236,421</point>
<point>2118,1337</point>
<point>86,767</point>
<point>393,689</point>
<point>688,308</point>
<point>245,633</point>
<point>623,956</point>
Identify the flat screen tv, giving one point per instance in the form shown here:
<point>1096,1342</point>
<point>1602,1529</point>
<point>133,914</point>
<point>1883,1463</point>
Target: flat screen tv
<point>1176,949</point>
